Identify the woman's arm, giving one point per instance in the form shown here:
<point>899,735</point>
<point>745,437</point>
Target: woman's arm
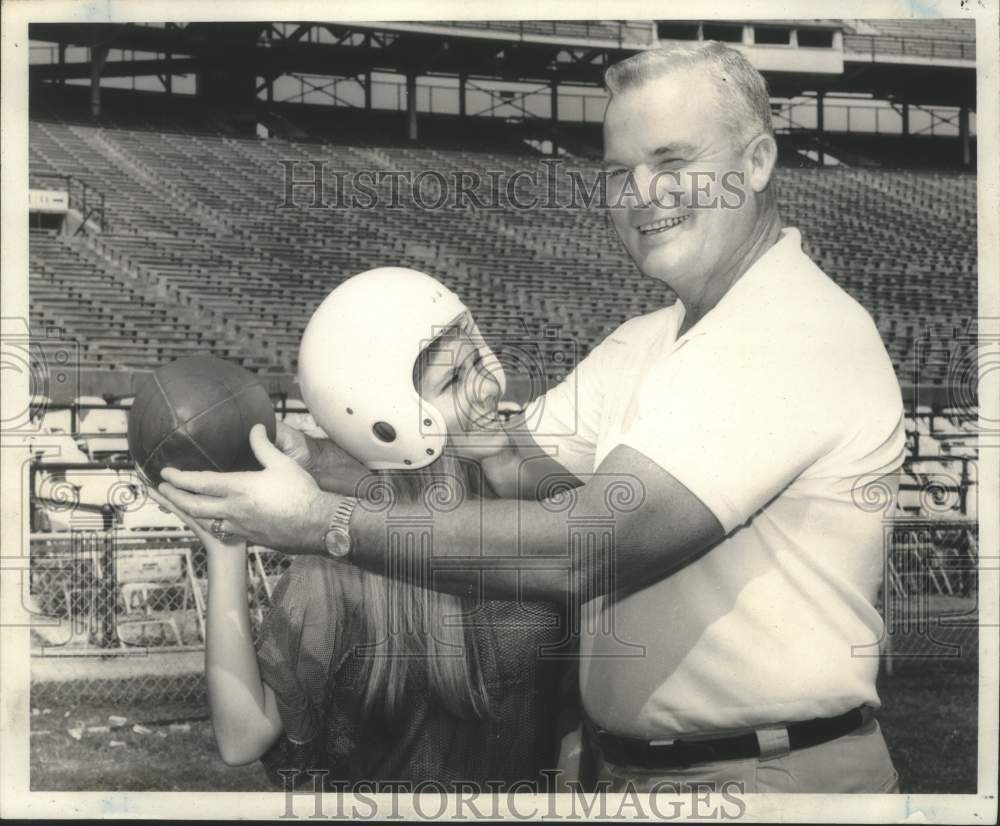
<point>244,711</point>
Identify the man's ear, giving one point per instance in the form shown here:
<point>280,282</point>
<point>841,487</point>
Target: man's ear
<point>762,153</point>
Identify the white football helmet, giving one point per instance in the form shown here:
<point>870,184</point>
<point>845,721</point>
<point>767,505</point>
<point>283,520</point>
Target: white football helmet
<point>356,365</point>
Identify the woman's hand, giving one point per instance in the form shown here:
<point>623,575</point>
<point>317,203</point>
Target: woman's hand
<point>211,542</point>
<point>333,468</point>
<point>295,445</point>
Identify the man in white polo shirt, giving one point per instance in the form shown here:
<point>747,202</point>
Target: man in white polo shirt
<point>766,627</point>
<point>773,406</point>
<point>720,637</point>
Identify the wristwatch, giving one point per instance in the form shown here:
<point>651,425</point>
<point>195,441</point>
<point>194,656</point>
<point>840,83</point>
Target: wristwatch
<point>337,539</point>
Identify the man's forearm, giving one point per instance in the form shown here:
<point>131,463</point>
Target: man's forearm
<point>630,525</point>
<point>498,549</point>
<point>494,549</point>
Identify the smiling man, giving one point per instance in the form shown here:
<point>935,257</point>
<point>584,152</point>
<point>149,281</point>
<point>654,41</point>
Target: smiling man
<point>723,616</point>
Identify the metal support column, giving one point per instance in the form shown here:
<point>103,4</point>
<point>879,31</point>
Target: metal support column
<point>820,126</point>
<point>555,116</point>
<point>98,55</point>
<point>108,586</point>
<point>411,106</point>
<point>964,136</point>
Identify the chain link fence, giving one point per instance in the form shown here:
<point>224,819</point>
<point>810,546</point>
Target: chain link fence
<point>930,593</point>
<point>120,616</point>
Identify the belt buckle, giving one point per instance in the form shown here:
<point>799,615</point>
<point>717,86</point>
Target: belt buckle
<point>773,741</point>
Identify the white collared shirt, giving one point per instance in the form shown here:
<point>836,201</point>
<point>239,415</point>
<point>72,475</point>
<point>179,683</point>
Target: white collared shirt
<point>774,410</point>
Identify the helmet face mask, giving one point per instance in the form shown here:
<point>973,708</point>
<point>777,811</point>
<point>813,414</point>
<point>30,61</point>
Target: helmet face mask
<point>357,363</point>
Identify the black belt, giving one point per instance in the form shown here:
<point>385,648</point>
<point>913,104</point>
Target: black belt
<point>683,752</point>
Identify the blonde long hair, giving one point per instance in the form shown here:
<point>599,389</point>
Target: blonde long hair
<point>404,621</point>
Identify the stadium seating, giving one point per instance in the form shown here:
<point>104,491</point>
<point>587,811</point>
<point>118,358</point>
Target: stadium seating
<point>923,28</point>
<point>924,37</point>
<point>629,31</point>
<point>197,234</point>
<point>881,151</point>
<point>202,252</point>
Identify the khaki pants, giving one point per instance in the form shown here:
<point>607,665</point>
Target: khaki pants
<point>856,763</point>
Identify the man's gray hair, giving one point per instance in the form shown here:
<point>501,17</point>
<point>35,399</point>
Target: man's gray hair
<point>741,91</point>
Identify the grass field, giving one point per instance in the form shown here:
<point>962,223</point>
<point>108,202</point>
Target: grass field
<point>929,719</point>
<point>166,759</point>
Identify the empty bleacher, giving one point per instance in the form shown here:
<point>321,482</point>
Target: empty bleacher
<point>926,38</point>
<point>943,28</point>
<point>204,254</point>
<point>626,31</point>
<point>118,322</point>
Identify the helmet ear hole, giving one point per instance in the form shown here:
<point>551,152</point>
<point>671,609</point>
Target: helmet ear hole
<point>384,431</point>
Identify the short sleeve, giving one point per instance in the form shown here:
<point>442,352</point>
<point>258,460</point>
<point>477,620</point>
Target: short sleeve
<point>301,639</point>
<point>565,421</point>
<point>736,425</point>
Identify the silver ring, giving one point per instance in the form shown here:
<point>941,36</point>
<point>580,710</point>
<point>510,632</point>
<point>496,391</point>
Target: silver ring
<point>218,531</point>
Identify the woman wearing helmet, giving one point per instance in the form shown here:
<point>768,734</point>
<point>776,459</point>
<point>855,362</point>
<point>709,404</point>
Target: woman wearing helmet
<point>367,677</point>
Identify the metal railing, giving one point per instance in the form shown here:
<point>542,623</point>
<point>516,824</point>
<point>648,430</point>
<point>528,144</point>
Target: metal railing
<point>884,45</point>
<point>88,201</point>
<point>280,401</point>
<point>75,414</point>
<point>867,118</point>
<point>619,31</point>
<point>439,98</point>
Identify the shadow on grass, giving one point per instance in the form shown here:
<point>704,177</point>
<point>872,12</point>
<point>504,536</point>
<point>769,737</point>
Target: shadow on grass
<point>929,717</point>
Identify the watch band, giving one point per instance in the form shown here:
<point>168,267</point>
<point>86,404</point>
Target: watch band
<point>340,525</point>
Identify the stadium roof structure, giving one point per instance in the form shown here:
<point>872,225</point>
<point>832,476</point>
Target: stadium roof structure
<point>242,68</point>
<point>925,62</point>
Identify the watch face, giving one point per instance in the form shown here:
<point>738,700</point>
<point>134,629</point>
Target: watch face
<point>338,543</point>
